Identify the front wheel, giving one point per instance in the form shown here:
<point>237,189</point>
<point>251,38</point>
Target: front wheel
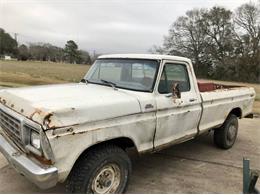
<point>225,136</point>
<point>105,169</point>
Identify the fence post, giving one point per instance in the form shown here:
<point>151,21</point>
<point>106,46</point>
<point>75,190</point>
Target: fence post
<point>246,175</point>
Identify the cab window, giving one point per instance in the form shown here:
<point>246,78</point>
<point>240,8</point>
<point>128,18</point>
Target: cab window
<point>174,73</point>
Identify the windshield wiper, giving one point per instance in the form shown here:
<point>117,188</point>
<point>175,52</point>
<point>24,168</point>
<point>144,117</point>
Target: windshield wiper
<point>113,85</point>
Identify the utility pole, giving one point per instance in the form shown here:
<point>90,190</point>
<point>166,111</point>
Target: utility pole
<point>15,37</point>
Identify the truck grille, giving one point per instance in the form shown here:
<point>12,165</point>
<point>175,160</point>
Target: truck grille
<point>11,126</point>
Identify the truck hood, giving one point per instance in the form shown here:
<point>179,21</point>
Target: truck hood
<point>69,104</point>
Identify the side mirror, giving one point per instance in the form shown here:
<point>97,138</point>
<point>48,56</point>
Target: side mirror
<point>176,93</point>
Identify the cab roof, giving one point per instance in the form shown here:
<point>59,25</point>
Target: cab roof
<point>145,56</point>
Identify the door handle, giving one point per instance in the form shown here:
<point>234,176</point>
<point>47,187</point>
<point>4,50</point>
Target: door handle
<point>148,106</point>
<point>192,99</point>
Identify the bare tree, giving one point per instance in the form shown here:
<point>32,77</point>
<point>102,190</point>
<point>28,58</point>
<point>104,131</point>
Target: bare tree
<point>218,50</point>
<point>247,19</point>
<point>218,30</point>
<point>186,38</point>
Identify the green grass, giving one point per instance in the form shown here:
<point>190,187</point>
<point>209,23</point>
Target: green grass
<point>17,73</point>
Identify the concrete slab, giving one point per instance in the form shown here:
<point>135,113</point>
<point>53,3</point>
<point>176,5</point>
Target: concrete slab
<point>3,161</point>
<point>196,166</point>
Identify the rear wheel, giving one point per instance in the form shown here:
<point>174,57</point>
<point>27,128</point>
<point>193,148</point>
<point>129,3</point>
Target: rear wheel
<point>225,136</point>
<point>105,169</point>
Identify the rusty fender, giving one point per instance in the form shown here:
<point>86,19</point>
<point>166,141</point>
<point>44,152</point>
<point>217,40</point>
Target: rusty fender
<point>68,143</point>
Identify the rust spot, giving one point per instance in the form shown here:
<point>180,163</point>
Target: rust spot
<point>69,129</point>
<point>37,111</point>
<point>41,159</point>
<point>22,110</point>
<point>81,132</point>
<point>12,105</point>
<point>54,127</point>
<point>47,120</point>
<point>73,109</point>
<point>4,101</point>
<point>174,142</point>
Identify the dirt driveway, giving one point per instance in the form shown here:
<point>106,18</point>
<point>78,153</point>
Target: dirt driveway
<point>193,167</point>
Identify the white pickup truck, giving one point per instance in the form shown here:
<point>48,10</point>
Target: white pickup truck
<point>79,132</point>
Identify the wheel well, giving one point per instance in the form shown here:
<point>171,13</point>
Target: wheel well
<point>237,112</point>
<point>122,142</point>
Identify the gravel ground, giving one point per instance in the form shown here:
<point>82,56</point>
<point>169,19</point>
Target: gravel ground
<point>196,166</point>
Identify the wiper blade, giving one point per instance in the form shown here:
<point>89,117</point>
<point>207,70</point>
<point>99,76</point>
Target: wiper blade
<point>113,85</point>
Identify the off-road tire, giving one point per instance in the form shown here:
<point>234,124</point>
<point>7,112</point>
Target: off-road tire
<point>222,136</point>
<point>88,166</point>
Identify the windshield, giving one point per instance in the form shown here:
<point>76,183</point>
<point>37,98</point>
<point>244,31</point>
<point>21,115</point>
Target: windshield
<point>130,74</point>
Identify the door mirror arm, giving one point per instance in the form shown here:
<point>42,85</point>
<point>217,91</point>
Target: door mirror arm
<point>176,92</point>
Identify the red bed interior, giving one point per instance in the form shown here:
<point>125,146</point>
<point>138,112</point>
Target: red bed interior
<point>209,86</point>
<point>203,86</point>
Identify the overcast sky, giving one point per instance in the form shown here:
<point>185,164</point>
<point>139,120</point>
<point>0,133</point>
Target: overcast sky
<point>115,26</point>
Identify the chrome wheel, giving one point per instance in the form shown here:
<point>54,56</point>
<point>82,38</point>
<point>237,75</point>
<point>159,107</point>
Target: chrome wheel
<point>107,179</point>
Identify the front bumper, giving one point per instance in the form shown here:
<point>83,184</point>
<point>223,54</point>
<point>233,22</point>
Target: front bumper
<point>43,177</point>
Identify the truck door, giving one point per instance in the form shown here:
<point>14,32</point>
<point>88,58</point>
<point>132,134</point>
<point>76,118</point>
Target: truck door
<point>177,118</point>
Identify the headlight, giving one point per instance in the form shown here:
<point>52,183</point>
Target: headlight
<point>35,140</point>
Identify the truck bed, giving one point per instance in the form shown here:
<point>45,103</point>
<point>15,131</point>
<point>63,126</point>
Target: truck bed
<point>218,100</point>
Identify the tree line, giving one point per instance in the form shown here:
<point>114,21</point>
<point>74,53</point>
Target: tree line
<point>222,44</point>
<point>43,51</point>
